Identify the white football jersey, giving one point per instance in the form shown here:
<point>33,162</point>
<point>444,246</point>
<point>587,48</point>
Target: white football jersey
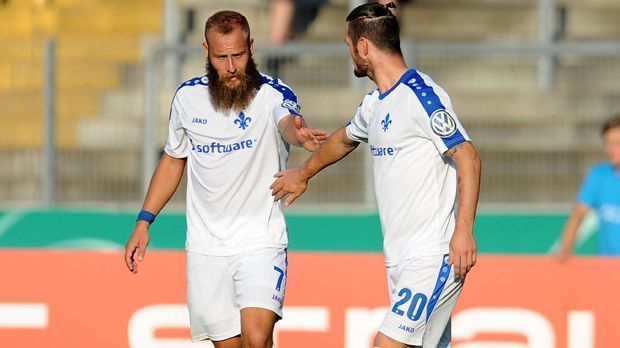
<point>231,161</point>
<point>409,128</point>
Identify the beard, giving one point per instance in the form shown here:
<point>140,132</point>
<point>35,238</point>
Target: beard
<point>360,72</point>
<point>236,98</point>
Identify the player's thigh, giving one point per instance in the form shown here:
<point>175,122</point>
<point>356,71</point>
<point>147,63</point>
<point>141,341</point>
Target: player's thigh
<point>211,299</point>
<point>418,288</point>
<point>261,280</point>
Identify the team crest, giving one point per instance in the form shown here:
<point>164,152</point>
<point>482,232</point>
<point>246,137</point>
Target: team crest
<point>385,123</point>
<point>442,123</point>
<point>291,105</point>
<point>242,121</point>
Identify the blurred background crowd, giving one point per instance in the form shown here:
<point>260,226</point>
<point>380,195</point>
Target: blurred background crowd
<point>85,89</point>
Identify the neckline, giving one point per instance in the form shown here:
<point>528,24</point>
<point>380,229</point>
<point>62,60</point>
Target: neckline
<point>400,80</point>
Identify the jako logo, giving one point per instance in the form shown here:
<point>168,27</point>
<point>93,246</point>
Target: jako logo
<point>406,328</point>
<point>199,120</point>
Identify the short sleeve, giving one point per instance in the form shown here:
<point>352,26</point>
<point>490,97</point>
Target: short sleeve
<point>357,129</point>
<point>177,144</point>
<point>442,124</point>
<point>436,116</point>
<point>287,102</point>
<point>589,188</point>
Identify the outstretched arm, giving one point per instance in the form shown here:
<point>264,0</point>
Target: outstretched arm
<point>463,252</point>
<point>163,184</point>
<point>296,132</point>
<point>295,181</point>
<point>570,231</point>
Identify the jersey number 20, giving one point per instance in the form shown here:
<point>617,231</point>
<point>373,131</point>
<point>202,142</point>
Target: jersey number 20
<point>416,307</point>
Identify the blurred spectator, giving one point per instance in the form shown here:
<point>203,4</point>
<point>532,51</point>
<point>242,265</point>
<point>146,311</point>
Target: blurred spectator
<point>289,18</point>
<point>392,4</point>
<point>600,191</point>
<point>281,17</point>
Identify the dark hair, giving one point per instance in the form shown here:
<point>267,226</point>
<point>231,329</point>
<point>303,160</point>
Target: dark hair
<point>613,122</point>
<point>377,23</point>
<point>225,21</point>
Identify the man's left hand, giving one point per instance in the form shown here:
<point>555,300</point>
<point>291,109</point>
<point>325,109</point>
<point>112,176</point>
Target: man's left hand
<point>463,252</point>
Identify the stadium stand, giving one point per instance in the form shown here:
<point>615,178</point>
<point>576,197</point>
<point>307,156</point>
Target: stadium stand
<point>95,40</point>
<point>535,143</point>
<point>97,44</point>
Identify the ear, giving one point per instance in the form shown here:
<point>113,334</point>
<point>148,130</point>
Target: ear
<point>252,46</point>
<point>362,47</point>
<point>205,45</point>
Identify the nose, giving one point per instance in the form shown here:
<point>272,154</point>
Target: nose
<point>230,65</point>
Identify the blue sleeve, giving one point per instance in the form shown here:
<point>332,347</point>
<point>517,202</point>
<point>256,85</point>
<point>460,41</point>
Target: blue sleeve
<point>588,194</point>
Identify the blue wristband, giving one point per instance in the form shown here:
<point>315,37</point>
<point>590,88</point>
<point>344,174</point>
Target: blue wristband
<point>147,216</point>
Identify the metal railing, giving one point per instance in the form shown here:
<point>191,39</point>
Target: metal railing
<point>424,53</point>
<point>530,153</point>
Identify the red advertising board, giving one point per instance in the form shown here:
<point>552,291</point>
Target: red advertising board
<point>78,299</point>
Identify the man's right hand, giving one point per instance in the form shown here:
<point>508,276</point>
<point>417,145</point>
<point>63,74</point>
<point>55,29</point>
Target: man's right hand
<point>136,246</point>
<point>289,182</point>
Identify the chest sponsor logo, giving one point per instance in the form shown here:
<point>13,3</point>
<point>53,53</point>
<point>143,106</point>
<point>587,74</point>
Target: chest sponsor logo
<point>219,148</point>
<point>376,151</point>
<point>442,123</point>
<point>385,123</point>
<point>242,121</point>
<point>199,120</point>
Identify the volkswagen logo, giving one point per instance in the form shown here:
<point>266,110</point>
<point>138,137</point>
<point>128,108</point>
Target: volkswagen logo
<point>442,123</point>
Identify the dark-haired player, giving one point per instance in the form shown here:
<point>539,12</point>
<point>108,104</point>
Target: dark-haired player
<point>422,158</point>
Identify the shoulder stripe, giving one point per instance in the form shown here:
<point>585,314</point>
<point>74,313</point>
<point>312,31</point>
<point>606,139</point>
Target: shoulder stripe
<point>287,93</point>
<point>200,80</point>
<point>431,103</point>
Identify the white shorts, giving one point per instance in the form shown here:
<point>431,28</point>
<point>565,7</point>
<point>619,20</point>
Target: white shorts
<point>218,287</point>
<point>423,293</point>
